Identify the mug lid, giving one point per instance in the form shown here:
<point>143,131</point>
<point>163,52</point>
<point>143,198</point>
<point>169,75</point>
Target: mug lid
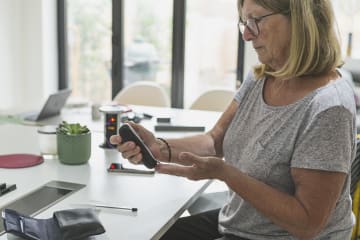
<point>48,129</point>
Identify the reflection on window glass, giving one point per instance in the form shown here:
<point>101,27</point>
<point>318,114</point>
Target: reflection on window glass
<point>147,33</point>
<point>89,48</point>
<point>211,47</point>
<point>348,16</point>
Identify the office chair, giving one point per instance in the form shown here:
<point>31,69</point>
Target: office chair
<point>355,191</point>
<point>214,100</point>
<point>145,93</point>
<point>208,201</point>
<point>355,170</point>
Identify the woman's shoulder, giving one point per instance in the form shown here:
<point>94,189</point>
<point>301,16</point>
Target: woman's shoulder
<point>338,93</point>
<point>248,84</point>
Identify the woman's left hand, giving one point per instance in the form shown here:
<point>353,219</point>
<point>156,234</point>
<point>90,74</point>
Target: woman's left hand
<point>195,167</point>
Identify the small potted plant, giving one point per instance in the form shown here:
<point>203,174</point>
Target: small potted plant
<point>73,143</point>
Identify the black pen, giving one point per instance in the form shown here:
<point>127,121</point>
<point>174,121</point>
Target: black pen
<point>2,186</point>
<point>8,189</point>
<point>120,208</point>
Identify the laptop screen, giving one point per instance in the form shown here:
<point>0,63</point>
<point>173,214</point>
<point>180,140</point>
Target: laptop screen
<point>52,106</point>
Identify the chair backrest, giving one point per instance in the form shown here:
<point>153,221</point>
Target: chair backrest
<point>214,100</point>
<point>355,170</point>
<point>145,93</point>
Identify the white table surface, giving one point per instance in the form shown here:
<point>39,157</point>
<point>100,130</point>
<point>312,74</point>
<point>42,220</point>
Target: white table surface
<point>160,198</point>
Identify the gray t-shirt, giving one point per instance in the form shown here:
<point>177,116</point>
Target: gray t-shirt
<point>265,142</point>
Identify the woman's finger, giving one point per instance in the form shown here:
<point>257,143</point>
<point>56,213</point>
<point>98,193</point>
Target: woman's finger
<point>136,159</point>
<point>173,169</point>
<point>131,153</point>
<point>127,146</point>
<point>115,139</point>
<point>187,158</point>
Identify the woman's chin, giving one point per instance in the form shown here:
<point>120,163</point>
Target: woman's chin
<point>262,59</point>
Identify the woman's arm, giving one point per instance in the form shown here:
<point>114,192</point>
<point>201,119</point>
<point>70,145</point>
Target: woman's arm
<point>208,144</point>
<point>303,214</point>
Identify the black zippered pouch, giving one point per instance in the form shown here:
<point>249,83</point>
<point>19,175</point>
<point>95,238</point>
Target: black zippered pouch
<point>72,224</point>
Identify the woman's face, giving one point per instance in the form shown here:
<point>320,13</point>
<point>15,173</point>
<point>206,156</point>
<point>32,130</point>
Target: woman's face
<point>273,42</point>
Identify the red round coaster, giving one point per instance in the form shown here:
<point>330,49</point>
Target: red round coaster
<point>20,160</point>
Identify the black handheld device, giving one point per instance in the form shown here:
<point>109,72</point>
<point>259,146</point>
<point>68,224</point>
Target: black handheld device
<point>127,133</point>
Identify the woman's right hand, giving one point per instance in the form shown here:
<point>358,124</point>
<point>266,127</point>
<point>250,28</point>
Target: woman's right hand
<point>129,150</point>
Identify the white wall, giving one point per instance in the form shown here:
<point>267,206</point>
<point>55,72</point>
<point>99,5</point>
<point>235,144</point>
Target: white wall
<point>28,47</point>
<point>7,59</point>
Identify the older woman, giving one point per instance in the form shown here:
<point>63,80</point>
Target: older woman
<point>288,138</point>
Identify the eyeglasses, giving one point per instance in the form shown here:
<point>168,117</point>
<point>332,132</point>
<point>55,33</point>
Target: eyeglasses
<point>252,23</point>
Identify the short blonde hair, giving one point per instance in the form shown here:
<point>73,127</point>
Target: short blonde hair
<point>314,47</point>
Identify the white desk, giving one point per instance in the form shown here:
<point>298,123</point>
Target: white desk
<point>160,199</point>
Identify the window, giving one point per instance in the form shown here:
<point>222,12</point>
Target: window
<point>146,47</point>
<point>147,41</point>
<point>348,15</point>
<point>89,49</point>
<point>211,47</point>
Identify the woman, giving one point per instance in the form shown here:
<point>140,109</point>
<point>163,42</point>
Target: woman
<point>288,138</point>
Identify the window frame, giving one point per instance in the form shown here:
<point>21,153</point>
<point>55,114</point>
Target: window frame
<point>62,44</point>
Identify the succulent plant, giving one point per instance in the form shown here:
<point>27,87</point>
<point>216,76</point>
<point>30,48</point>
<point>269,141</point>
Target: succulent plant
<point>71,128</point>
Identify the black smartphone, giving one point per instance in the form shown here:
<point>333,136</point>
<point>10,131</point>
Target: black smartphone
<point>127,133</point>
<point>118,167</point>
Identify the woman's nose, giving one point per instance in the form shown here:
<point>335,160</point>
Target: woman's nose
<point>248,35</point>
